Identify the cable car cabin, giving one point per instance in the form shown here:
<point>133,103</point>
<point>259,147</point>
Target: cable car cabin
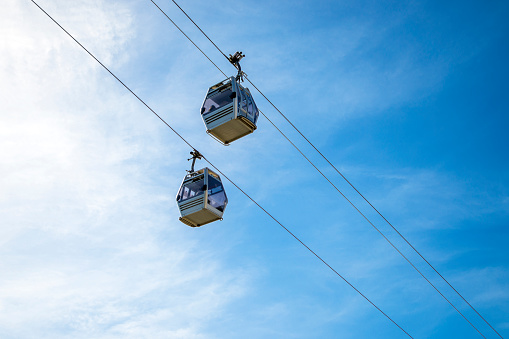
<point>229,111</point>
<point>201,198</point>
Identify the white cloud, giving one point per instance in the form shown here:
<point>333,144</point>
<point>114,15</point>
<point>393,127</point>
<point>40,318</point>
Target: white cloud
<point>89,240</point>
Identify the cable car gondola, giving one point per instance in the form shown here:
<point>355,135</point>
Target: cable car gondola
<point>201,198</point>
<point>229,111</point>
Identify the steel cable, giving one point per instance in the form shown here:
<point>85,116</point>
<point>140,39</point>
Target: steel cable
<point>351,185</point>
<point>219,171</point>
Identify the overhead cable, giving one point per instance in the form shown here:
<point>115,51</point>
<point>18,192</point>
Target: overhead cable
<point>217,169</point>
<point>176,4</point>
<point>339,172</point>
<point>378,212</point>
<point>188,38</point>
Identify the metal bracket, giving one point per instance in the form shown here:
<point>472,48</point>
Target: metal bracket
<point>196,155</point>
<point>235,61</point>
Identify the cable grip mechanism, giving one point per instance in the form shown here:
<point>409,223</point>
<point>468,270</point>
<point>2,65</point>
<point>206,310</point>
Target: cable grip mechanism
<point>235,61</point>
<point>196,155</point>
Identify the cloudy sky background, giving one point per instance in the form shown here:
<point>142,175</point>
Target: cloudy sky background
<point>407,99</point>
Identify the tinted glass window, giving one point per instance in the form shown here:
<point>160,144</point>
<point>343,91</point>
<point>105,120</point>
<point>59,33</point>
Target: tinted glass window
<point>250,107</point>
<point>215,185</point>
<point>243,100</point>
<point>218,201</point>
<point>217,197</point>
<point>217,101</point>
<point>256,112</point>
<point>191,189</point>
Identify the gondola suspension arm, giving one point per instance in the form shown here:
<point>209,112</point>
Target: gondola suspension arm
<point>196,155</point>
<point>235,61</point>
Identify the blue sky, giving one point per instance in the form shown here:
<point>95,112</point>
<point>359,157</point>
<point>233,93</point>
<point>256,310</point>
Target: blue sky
<point>407,99</point>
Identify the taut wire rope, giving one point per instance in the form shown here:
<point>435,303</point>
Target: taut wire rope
<point>188,38</point>
<point>379,213</point>
<point>341,174</point>
<point>219,171</point>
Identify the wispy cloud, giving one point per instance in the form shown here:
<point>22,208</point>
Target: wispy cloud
<point>89,237</point>
<point>82,200</point>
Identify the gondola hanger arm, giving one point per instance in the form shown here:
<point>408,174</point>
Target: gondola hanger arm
<point>196,155</point>
<point>235,61</point>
